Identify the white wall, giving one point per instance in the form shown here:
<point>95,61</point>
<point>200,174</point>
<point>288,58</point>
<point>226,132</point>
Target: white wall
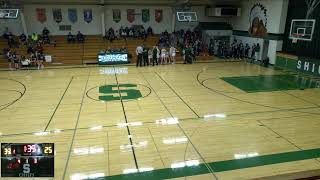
<point>276,13</point>
<point>14,25</point>
<point>250,41</point>
<point>95,27</point>
<point>200,10</point>
<point>33,25</point>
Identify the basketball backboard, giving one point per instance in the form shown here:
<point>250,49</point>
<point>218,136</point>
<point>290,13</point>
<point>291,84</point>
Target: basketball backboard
<point>9,13</point>
<point>187,16</point>
<point>302,29</point>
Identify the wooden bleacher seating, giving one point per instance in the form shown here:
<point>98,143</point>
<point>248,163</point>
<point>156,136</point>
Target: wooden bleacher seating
<point>77,53</point>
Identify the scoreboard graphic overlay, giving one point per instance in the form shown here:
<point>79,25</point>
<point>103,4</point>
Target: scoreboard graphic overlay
<point>27,160</point>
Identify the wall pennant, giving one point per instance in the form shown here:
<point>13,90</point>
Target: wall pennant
<point>87,15</point>
<point>72,15</point>
<point>57,15</point>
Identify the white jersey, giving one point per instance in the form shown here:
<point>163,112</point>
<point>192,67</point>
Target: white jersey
<point>163,52</point>
<point>172,51</point>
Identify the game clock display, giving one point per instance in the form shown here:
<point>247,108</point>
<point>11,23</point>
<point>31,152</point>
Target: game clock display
<point>27,160</point>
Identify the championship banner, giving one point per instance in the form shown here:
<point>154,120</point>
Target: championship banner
<point>41,15</point>
<point>145,15</point>
<point>87,15</point>
<point>72,15</point>
<point>116,13</point>
<point>57,15</point>
<point>130,15</point>
<point>158,15</point>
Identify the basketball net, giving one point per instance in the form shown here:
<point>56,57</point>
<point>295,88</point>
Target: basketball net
<point>295,37</point>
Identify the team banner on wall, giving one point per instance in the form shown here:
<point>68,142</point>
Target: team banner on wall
<point>57,15</point>
<point>116,13</point>
<point>72,15</point>
<point>87,15</point>
<point>158,15</point>
<point>130,15</point>
<point>145,15</point>
<point>41,15</point>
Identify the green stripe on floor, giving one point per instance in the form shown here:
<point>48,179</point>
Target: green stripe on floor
<point>267,83</point>
<point>219,166</point>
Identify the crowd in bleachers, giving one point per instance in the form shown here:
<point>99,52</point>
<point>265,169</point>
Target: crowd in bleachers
<point>124,33</point>
<point>34,46</point>
<point>188,43</point>
<point>236,50</point>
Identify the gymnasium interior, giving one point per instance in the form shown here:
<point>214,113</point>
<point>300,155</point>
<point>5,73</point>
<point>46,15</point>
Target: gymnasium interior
<point>163,89</point>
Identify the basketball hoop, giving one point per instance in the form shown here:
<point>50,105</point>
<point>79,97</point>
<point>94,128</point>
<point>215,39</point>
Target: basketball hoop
<point>295,37</point>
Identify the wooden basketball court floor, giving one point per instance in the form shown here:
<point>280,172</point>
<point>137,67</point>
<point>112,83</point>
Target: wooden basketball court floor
<point>224,120</point>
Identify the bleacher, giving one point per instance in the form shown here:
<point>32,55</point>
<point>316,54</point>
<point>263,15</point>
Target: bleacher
<point>78,54</point>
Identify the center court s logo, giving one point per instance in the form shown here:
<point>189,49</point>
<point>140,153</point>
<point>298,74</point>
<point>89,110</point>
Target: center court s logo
<point>116,92</point>
<point>112,92</point>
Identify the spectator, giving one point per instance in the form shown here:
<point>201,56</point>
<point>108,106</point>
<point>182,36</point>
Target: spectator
<point>145,56</point>
<point>116,35</point>
<point>123,34</point>
<point>33,58</point>
<point>45,39</point>
<point>10,60</point>
<point>10,38</point>
<point>23,39</point>
<point>30,49</point>
<point>15,60</point>
<point>25,62</point>
<point>5,52</point>
<point>70,38</point>
<point>80,37</point>
<point>6,33</point>
<point>155,55</point>
<point>139,51</point>
<point>149,31</point>
<point>253,51</point>
<point>257,52</point>
<point>127,30</point>
<point>34,38</point>
<point>246,51</point>
<point>39,48</point>
<point>45,31</point>
<point>40,60</point>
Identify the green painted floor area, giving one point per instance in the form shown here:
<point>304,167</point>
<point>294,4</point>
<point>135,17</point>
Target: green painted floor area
<point>219,166</point>
<point>266,83</point>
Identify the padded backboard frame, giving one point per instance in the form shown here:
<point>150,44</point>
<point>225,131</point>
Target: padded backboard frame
<point>302,29</point>
<point>9,13</point>
<point>187,16</point>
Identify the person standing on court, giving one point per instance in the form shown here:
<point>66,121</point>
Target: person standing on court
<point>145,56</point>
<point>139,52</point>
<point>155,55</point>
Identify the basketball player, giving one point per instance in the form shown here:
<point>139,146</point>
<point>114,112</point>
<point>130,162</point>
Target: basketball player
<point>139,51</point>
<point>155,55</point>
<point>163,55</point>
<point>173,54</point>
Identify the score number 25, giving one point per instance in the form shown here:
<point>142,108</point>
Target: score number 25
<point>48,150</point>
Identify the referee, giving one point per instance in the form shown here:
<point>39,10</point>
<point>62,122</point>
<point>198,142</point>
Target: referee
<point>139,52</point>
